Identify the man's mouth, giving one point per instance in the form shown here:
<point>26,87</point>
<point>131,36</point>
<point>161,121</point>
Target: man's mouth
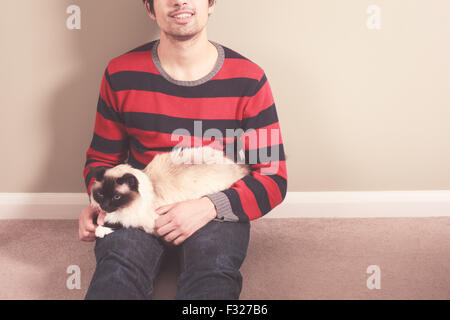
<point>182,17</point>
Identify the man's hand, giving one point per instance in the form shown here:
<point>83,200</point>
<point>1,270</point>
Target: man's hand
<point>180,220</point>
<point>86,226</point>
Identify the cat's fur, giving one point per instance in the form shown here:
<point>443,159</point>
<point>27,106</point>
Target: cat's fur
<point>179,175</point>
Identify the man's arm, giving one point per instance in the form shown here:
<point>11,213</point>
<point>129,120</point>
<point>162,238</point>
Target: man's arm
<point>265,187</point>
<point>109,145</point>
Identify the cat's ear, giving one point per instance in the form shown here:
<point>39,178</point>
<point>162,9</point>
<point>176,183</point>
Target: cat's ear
<point>99,173</point>
<point>129,179</point>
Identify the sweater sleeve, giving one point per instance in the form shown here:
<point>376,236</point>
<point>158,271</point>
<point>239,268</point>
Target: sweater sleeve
<point>265,186</point>
<point>109,144</point>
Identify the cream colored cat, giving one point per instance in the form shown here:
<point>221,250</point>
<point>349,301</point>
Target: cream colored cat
<point>129,197</point>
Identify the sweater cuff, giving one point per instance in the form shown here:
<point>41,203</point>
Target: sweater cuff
<point>223,207</point>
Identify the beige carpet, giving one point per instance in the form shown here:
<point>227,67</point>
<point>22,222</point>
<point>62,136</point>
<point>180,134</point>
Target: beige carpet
<point>287,259</point>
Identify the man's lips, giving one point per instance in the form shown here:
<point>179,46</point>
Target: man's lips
<point>183,17</point>
<point>182,12</point>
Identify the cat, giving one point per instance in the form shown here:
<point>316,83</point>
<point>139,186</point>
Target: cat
<point>128,197</point>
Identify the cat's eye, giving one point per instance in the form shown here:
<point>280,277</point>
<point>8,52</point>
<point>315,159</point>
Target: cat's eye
<point>100,194</point>
<point>117,197</point>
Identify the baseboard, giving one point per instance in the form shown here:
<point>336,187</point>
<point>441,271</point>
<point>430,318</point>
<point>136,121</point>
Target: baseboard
<point>332,204</point>
<point>364,204</point>
<point>42,205</point>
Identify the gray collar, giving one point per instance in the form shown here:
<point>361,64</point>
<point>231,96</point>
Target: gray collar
<point>209,76</point>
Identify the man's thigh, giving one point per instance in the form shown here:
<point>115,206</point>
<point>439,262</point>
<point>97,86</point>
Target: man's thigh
<point>210,261</point>
<point>127,263</point>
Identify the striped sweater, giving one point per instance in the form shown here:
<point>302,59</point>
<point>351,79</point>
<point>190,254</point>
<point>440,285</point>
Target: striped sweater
<point>142,111</point>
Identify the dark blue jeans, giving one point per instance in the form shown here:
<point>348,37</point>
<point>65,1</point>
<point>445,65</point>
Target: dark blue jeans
<point>128,262</point>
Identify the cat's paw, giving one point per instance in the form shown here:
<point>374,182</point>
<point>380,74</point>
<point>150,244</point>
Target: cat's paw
<point>150,230</point>
<point>149,227</point>
<point>101,231</point>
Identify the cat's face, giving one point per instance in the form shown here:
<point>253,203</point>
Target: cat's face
<point>114,193</point>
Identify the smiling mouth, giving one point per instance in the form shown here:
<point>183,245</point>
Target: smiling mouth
<point>183,17</point>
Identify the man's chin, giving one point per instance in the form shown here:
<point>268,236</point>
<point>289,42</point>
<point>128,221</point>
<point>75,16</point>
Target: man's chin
<point>183,36</point>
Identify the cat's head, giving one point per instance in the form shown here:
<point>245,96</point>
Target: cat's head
<point>117,188</point>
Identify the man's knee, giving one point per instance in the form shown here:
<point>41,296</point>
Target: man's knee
<point>129,243</point>
<point>219,245</point>
<point>127,262</point>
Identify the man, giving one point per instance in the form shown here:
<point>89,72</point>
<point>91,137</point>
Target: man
<point>147,94</point>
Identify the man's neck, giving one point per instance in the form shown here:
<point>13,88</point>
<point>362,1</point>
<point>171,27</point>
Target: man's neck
<point>187,60</point>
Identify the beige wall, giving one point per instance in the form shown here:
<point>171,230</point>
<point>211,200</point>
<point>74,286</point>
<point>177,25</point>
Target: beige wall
<point>358,109</point>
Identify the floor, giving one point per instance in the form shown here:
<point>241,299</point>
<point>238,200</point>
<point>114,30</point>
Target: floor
<point>287,259</point>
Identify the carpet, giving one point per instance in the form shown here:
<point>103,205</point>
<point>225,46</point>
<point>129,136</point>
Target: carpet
<point>287,259</point>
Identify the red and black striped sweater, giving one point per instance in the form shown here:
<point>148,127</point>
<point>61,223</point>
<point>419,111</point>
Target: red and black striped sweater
<point>142,111</point>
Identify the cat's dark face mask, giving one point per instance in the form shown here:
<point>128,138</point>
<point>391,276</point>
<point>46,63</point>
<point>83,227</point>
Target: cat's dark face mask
<point>114,193</point>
